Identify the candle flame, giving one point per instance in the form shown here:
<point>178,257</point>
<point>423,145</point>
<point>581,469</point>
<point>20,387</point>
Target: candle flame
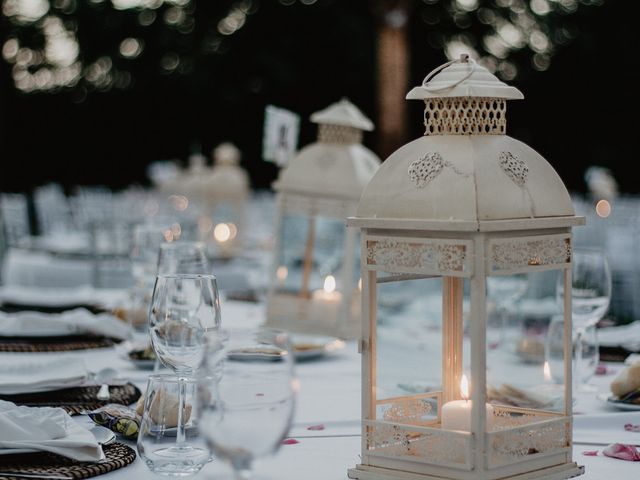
<point>464,387</point>
<point>603,208</point>
<point>547,371</point>
<point>222,232</point>
<point>360,284</point>
<point>329,284</point>
<point>282,273</point>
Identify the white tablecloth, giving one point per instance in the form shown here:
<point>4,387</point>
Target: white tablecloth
<point>330,395</point>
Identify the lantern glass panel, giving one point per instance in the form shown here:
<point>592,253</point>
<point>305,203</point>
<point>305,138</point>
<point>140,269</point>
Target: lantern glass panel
<point>311,249</point>
<point>409,348</point>
<point>525,330</point>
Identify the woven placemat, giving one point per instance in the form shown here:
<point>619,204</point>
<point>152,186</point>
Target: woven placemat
<point>45,463</point>
<point>54,344</point>
<point>76,400</point>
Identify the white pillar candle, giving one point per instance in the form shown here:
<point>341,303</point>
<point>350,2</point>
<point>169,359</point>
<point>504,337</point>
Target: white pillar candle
<point>456,415</point>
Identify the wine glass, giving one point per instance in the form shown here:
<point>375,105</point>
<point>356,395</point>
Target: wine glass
<point>248,412</point>
<point>184,309</point>
<point>145,244</point>
<point>505,291</point>
<point>182,257</point>
<point>590,298</point>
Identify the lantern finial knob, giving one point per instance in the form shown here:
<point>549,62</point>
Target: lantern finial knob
<point>464,58</point>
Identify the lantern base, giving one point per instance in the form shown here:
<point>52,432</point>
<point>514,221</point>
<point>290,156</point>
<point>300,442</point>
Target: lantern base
<point>558,472</point>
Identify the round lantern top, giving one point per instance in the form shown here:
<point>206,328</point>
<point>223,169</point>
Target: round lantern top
<point>336,166</point>
<point>227,179</point>
<point>463,78</point>
<point>344,114</point>
<point>465,173</point>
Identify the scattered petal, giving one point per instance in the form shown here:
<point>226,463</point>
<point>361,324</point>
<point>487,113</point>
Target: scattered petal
<point>259,394</point>
<point>630,427</point>
<point>290,441</point>
<point>602,370</point>
<point>622,451</point>
<point>316,427</point>
<point>590,453</point>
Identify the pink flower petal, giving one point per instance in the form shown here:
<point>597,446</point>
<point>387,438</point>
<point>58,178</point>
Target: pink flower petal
<point>622,451</point>
<point>316,427</point>
<point>590,453</point>
<point>290,441</point>
<point>259,394</point>
<point>630,427</point>
<point>601,369</point>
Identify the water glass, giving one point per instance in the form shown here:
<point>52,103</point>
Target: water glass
<point>585,354</point>
<point>248,412</point>
<point>157,440</point>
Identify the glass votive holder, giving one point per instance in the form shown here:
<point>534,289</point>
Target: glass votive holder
<point>164,447</point>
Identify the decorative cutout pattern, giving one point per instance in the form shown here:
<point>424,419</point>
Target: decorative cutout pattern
<point>437,257</point>
<point>527,252</point>
<point>515,168</point>
<point>426,169</point>
<point>510,445</point>
<point>422,171</point>
<point>433,447</point>
<point>465,116</point>
<point>339,134</point>
<point>407,410</point>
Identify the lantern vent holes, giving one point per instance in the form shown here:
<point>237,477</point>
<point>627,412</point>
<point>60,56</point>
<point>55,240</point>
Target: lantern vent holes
<point>339,134</point>
<point>465,116</point>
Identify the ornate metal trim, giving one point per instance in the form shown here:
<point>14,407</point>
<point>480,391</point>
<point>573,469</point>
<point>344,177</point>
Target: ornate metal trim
<point>465,116</point>
<point>523,253</point>
<point>515,168</point>
<point>417,255</point>
<point>418,444</point>
<point>428,167</point>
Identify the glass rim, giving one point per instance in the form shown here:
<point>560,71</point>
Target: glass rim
<point>208,276</point>
<point>171,378</point>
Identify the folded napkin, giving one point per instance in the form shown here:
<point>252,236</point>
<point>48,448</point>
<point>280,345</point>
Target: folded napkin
<point>626,336</point>
<point>61,297</point>
<point>77,321</point>
<point>47,429</point>
<point>41,375</point>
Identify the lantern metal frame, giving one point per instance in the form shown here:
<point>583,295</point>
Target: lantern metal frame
<point>501,225</point>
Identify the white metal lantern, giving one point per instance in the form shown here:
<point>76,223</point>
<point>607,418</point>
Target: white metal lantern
<point>314,285</point>
<point>224,191</point>
<point>461,205</point>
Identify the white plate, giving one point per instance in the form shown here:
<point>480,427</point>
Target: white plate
<point>608,399</point>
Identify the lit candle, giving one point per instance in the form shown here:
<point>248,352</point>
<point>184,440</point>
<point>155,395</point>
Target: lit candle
<point>456,414</point>
<point>282,273</point>
<point>328,293</point>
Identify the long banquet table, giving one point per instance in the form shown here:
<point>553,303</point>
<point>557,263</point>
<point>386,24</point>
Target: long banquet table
<point>330,396</point>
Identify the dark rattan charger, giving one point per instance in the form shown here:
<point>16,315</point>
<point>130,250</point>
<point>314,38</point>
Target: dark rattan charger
<point>45,463</point>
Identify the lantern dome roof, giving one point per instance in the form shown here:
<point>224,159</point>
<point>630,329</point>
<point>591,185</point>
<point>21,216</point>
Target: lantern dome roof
<point>344,114</point>
<point>463,78</point>
<point>329,170</point>
<point>465,173</point>
<point>465,178</point>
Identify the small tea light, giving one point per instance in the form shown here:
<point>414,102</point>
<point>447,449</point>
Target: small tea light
<point>281,274</point>
<point>328,293</point>
<point>456,414</point>
<point>222,232</point>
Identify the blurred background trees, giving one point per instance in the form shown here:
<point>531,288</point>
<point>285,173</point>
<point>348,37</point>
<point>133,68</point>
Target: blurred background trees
<point>92,91</point>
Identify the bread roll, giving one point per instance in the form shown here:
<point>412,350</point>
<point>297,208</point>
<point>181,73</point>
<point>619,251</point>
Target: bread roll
<point>627,381</point>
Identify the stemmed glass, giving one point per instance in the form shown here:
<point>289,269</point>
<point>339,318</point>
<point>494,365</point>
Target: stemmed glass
<point>185,309</point>
<point>505,291</point>
<point>248,412</point>
<point>590,298</point>
<point>182,257</point>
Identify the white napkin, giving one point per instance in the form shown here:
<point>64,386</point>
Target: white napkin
<point>61,297</point>
<point>627,336</point>
<point>47,429</point>
<point>41,375</point>
<point>77,321</point>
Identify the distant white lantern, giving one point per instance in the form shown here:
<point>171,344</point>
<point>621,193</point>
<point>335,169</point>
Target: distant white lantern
<point>224,192</point>
<point>314,281</point>
<point>463,203</point>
